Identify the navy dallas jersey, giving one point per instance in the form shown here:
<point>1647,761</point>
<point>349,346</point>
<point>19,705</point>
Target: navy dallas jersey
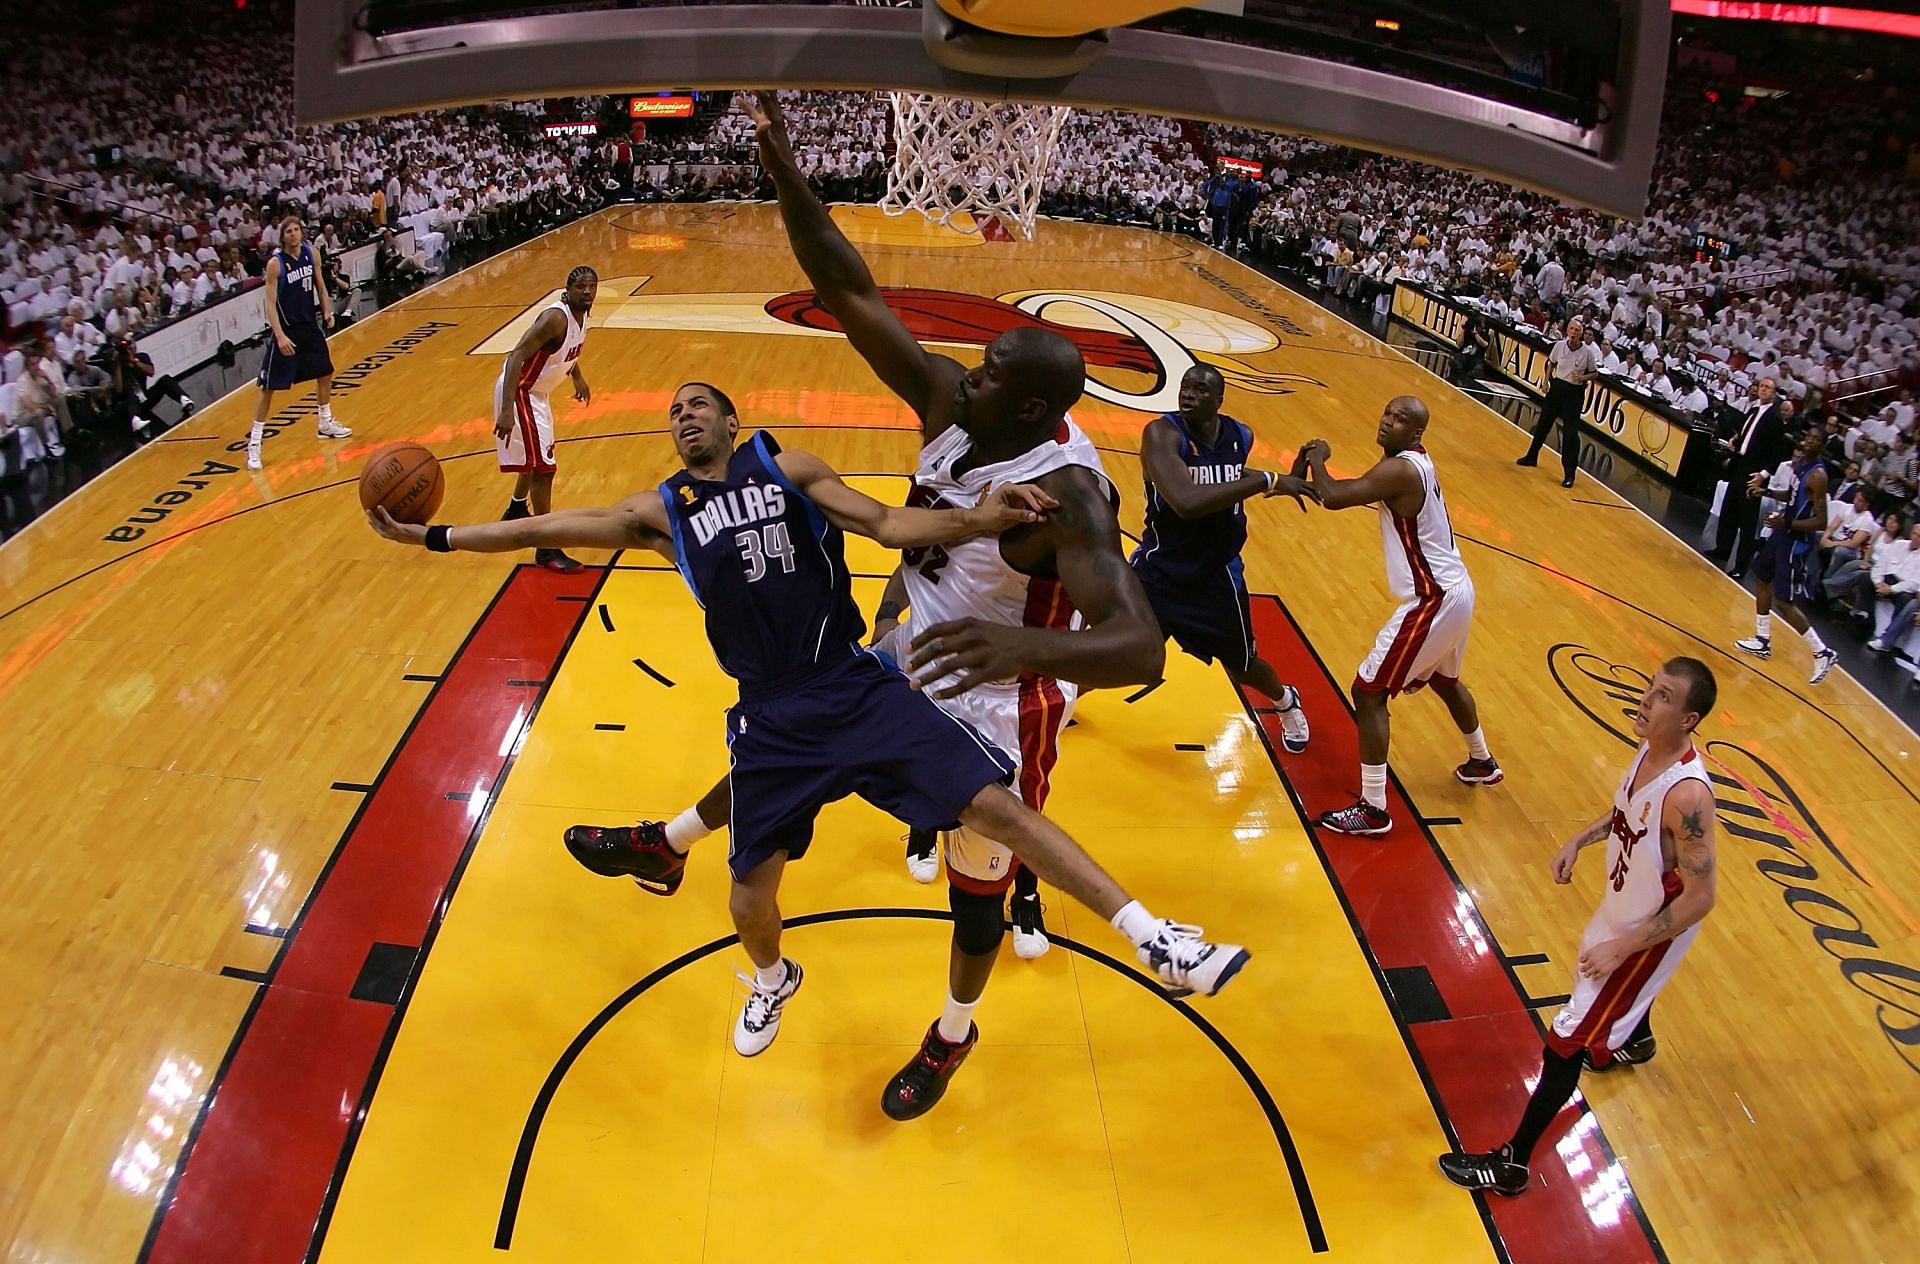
<point>819,716</point>
<point>1191,567</point>
<point>294,292</point>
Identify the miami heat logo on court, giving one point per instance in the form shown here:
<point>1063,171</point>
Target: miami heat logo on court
<point>1155,338</point>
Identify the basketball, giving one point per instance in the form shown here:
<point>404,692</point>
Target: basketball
<point>405,479</point>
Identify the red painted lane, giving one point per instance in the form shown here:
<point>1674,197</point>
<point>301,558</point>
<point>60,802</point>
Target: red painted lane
<point>1481,1060</point>
<point>254,1179</point>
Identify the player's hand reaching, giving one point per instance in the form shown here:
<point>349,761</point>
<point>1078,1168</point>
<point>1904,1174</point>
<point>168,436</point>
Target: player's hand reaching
<point>1293,485</point>
<point>1011,505</point>
<point>974,651</point>
<point>769,124</point>
<point>1315,449</point>
<point>1563,862</point>
<point>384,524</point>
<point>1603,959</point>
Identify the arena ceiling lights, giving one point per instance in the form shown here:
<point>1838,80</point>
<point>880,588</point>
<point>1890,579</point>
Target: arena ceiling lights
<point>1560,98</point>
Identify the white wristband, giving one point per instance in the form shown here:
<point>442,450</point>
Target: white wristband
<point>1270,481</point>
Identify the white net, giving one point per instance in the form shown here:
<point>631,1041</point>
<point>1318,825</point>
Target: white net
<point>963,163</point>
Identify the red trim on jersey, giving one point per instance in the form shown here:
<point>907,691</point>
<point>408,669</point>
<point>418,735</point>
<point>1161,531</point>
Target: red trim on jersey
<point>1048,605</point>
<point>1617,995</point>
<point>981,886</point>
<point>1042,706</point>
<point>1425,586</point>
<point>1391,677</point>
<point>530,371</point>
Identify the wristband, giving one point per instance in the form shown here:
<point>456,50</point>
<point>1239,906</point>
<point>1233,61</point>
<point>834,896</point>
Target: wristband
<point>439,540</point>
<point>1270,482</point>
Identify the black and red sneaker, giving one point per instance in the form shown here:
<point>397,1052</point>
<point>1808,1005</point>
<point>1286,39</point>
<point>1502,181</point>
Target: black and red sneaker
<point>1480,772</point>
<point>555,560</point>
<point>923,1081</point>
<point>1361,818</point>
<point>638,851</point>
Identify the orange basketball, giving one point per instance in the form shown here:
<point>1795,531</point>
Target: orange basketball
<point>405,478</point>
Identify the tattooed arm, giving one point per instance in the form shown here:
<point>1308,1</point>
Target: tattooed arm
<point>1687,821</point>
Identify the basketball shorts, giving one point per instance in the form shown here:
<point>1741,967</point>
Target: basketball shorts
<point>856,728</point>
<point>1025,719</point>
<point>1787,572</point>
<point>1208,617</point>
<point>309,360</point>
<point>528,447</point>
<point>1601,1014</point>
<point>1423,641</point>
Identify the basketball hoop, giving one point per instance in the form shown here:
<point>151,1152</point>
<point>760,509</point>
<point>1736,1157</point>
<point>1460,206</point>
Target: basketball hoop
<point>981,161</point>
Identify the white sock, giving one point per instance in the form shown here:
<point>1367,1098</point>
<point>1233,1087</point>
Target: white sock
<point>685,830</point>
<point>1138,925</point>
<point>1763,626</point>
<point>1477,745</point>
<point>1813,639</point>
<point>1373,784</point>
<point>956,1020</point>
<point>771,976</point>
<point>326,413</point>
<point>254,436</point>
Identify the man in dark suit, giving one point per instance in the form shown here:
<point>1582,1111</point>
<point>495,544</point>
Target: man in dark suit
<point>1753,448</point>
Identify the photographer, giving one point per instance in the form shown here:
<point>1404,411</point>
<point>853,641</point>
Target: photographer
<point>135,383</point>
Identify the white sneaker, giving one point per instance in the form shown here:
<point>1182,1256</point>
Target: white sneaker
<point>253,456</point>
<point>1758,646</point>
<point>331,429</point>
<point>1822,664</point>
<point>1293,723</point>
<point>54,448</point>
<point>1029,929</point>
<point>1186,963</point>
<point>760,1017</point>
<point>1879,646</point>
<point>924,866</point>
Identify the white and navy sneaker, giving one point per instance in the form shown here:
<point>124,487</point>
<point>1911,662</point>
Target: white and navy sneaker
<point>253,456</point>
<point>1186,963</point>
<point>1029,929</point>
<point>1758,646</point>
<point>923,854</point>
<point>1823,663</point>
<point>1293,722</point>
<point>760,1016</point>
<point>331,429</point>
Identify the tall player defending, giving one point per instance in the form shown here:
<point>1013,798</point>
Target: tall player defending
<point>1197,482</point>
<point>1425,642</point>
<point>522,412</point>
<point>1649,914</point>
<point>1788,559</point>
<point>299,313</point>
<point>757,535</point>
<point>1004,629</point>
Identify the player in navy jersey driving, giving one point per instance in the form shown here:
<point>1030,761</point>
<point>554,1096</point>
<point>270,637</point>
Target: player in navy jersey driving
<point>1194,463</point>
<point>757,535</point>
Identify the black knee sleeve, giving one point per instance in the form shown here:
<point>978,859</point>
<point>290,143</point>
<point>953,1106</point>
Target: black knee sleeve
<point>978,921</point>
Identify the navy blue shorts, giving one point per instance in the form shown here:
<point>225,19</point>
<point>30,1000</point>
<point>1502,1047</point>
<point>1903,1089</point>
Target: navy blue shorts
<point>1209,617</point>
<point>308,361</point>
<point>858,729</point>
<point>1776,563</point>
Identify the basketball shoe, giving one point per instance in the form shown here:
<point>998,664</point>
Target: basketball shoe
<point>557,561</point>
<point>331,429</point>
<point>1633,1053</point>
<point>1480,772</point>
<point>1186,963</point>
<point>1293,722</point>
<point>760,1017</point>
<point>923,856</point>
<point>1823,663</point>
<point>1361,819</point>
<point>1758,646</point>
<point>253,454</point>
<point>637,851</point>
<point>1494,1171</point>
<point>1029,930</point>
<point>923,1081</point>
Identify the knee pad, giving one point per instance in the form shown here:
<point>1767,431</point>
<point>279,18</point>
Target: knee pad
<point>979,921</point>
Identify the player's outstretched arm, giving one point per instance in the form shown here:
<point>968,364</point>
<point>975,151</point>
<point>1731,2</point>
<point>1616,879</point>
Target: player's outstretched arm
<point>840,276</point>
<point>1173,478</point>
<point>1395,482</point>
<point>639,521</point>
<point>1122,644</point>
<point>1013,505</point>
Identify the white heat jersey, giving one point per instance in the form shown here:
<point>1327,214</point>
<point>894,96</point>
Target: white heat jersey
<point>1422,559</point>
<point>543,370</point>
<point>970,579</point>
<point>1638,879</point>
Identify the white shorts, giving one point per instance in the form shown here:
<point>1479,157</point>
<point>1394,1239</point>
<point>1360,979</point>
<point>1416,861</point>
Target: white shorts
<point>1423,641</point>
<point>528,447</point>
<point>1602,1014</point>
<point>1025,720</point>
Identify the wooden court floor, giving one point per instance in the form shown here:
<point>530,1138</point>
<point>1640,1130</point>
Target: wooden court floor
<point>300,970</point>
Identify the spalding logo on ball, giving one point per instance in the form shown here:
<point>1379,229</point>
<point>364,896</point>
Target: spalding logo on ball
<point>404,479</point>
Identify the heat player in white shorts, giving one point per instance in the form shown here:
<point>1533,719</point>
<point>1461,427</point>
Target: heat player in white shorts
<point>523,412</point>
<point>1659,884</point>
<point>1425,641</point>
<point>1024,716</point>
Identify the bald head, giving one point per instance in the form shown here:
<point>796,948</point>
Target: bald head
<point>1043,364</point>
<point>1402,422</point>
